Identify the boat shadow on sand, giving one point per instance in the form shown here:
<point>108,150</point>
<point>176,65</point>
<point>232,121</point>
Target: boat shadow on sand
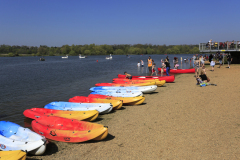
<point>122,108</point>
<point>152,93</point>
<point>142,104</point>
<point>108,138</point>
<point>99,119</point>
<point>56,146</point>
<point>52,148</point>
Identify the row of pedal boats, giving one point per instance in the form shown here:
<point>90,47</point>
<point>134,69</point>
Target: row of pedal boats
<point>72,121</point>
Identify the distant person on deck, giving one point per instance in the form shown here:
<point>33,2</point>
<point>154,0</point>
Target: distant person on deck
<point>150,62</point>
<point>138,64</point>
<point>167,67</point>
<point>207,45</point>
<point>128,76</point>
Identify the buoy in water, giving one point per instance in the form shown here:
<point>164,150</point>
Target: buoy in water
<point>97,60</point>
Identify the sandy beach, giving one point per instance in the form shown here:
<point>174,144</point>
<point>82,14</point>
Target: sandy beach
<point>180,121</point>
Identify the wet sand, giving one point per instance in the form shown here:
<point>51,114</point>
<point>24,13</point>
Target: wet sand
<point>179,121</point>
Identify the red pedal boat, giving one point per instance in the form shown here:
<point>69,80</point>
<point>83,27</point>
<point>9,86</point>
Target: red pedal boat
<point>125,84</point>
<point>179,70</point>
<point>168,79</point>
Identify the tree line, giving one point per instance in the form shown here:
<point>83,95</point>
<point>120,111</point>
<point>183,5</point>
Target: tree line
<point>92,49</point>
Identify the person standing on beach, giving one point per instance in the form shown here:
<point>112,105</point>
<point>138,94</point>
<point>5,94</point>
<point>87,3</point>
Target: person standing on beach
<point>167,67</point>
<point>150,64</point>
<point>142,63</point>
<point>197,66</point>
<point>163,66</point>
<point>154,69</point>
<point>220,60</point>
<point>175,63</point>
<point>202,61</point>
<point>210,58</point>
<point>167,58</point>
<point>229,59</point>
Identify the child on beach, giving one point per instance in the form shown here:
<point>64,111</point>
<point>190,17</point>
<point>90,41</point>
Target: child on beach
<point>176,65</point>
<point>163,66</point>
<point>202,80</point>
<point>153,69</point>
<point>204,70</point>
<point>128,76</point>
<point>212,64</point>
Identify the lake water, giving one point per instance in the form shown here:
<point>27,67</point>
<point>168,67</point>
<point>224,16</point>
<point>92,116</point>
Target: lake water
<point>26,82</point>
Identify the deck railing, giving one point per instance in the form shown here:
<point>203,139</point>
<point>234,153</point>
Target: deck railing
<point>233,46</point>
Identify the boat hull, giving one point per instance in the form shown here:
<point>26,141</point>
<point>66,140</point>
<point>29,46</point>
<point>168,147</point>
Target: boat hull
<point>126,100</point>
<point>79,115</point>
<point>102,108</point>
<point>168,79</point>
<point>178,71</point>
<point>13,155</point>
<point>67,130</point>
<point>117,104</point>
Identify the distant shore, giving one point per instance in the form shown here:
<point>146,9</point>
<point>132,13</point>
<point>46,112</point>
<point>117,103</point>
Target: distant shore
<point>179,121</point>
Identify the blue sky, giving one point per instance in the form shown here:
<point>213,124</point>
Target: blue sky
<point>172,22</point>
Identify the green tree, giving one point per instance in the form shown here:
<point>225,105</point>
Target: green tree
<point>175,50</point>
<point>118,52</point>
<point>149,50</point>
<point>11,54</point>
<point>168,51</point>
<point>195,50</point>
<point>42,50</point>
<point>72,53</point>
<point>185,49</point>
<point>51,53</point>
<point>65,49</point>
<point>87,52</point>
